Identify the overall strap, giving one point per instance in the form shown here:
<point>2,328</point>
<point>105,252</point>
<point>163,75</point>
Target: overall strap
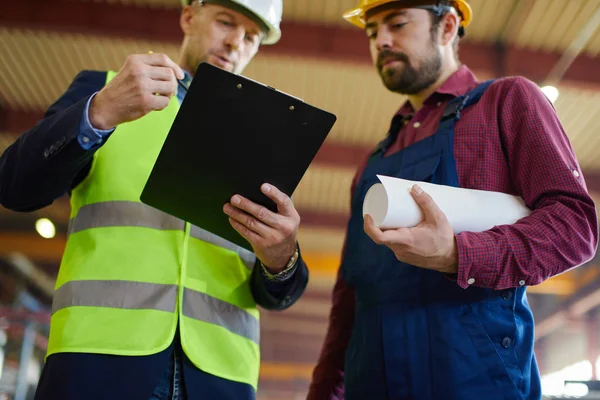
<point>456,106</point>
<point>397,123</point>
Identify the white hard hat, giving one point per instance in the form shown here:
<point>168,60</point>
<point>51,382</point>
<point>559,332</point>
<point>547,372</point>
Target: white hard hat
<point>267,13</point>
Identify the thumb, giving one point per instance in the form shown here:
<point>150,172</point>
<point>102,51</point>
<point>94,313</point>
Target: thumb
<point>430,209</point>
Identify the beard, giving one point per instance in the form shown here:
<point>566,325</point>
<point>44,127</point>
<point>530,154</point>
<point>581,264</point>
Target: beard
<point>405,79</point>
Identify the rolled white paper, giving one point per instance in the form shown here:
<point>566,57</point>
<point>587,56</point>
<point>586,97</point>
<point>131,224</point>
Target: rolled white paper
<point>392,206</point>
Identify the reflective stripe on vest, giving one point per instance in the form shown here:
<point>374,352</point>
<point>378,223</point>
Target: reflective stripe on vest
<point>151,296</point>
<point>127,213</point>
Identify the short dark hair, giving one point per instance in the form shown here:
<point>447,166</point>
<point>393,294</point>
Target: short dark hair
<point>436,19</point>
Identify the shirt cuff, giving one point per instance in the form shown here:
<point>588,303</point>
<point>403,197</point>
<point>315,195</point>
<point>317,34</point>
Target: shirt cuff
<point>477,264</point>
<point>88,136</point>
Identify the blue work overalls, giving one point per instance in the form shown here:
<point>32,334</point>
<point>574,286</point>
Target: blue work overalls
<point>417,334</point>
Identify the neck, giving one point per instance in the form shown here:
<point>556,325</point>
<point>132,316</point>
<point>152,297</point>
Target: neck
<point>185,61</point>
<point>417,100</point>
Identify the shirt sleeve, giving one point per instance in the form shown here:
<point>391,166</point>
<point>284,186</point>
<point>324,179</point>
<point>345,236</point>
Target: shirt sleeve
<point>562,231</point>
<point>90,137</point>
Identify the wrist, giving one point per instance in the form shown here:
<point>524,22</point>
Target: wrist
<point>98,118</point>
<point>278,274</point>
<point>450,262</point>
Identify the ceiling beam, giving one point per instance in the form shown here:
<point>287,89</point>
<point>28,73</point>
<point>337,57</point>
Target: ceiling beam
<point>299,38</point>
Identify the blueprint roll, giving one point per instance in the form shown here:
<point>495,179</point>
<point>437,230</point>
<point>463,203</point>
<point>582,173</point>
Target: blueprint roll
<point>392,206</point>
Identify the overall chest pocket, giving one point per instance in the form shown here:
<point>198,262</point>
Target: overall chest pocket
<point>421,170</point>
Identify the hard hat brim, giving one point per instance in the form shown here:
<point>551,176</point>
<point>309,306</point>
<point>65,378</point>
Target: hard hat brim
<point>356,16</point>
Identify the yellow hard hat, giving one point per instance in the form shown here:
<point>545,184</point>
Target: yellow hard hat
<point>356,16</point>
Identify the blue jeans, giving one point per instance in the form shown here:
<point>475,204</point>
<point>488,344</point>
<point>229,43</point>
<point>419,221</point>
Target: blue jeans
<point>171,386</point>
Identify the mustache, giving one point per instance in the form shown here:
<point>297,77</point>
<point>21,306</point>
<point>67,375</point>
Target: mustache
<point>389,55</point>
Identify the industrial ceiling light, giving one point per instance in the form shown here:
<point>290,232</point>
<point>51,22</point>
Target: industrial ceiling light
<point>551,93</point>
<point>45,228</point>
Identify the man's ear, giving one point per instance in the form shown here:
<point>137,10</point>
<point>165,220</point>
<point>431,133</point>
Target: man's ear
<point>449,27</point>
<point>185,18</point>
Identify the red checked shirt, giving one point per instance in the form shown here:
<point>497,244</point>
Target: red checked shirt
<point>511,141</point>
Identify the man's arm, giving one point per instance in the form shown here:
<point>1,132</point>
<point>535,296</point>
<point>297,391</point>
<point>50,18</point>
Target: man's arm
<point>48,160</point>
<point>273,295</point>
<point>562,231</point>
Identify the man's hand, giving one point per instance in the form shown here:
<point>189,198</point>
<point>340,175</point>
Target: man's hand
<point>145,83</point>
<point>272,235</point>
<point>429,245</point>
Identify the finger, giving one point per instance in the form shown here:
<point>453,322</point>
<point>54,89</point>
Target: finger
<point>284,203</point>
<point>157,102</point>
<point>393,237</point>
<point>371,230</point>
<point>247,220</point>
<point>162,60</point>
<point>246,233</point>
<point>259,212</point>
<point>430,209</point>
<point>161,74</point>
<point>163,88</point>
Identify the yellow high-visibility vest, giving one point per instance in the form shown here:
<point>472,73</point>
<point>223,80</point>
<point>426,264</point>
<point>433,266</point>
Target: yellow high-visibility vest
<point>130,273</point>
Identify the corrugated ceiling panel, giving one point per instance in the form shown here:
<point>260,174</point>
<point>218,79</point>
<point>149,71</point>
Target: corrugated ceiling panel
<point>353,92</point>
<point>37,68</point>
<point>489,18</point>
<point>550,24</point>
<point>579,112</point>
<point>329,11</point>
<point>325,189</point>
<point>554,24</point>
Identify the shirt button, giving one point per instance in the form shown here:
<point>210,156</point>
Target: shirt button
<point>576,173</point>
<point>471,281</point>
<point>85,139</point>
<point>417,124</point>
<point>439,103</point>
<point>506,342</point>
<point>522,282</point>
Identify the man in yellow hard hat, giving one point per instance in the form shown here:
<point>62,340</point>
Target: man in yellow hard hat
<point>423,313</point>
<point>148,306</point>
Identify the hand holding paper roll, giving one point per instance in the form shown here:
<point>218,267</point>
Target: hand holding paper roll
<point>391,206</point>
<point>420,227</point>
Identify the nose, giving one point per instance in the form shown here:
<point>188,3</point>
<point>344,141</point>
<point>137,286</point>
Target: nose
<point>384,38</point>
<point>235,38</point>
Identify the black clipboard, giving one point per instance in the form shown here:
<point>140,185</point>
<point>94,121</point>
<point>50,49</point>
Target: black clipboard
<point>231,135</point>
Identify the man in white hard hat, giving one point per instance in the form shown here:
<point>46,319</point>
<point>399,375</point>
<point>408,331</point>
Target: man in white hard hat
<point>424,313</point>
<point>146,305</point>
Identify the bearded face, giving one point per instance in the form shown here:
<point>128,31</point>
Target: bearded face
<point>405,49</point>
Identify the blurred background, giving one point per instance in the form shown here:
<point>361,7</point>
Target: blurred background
<point>44,43</point>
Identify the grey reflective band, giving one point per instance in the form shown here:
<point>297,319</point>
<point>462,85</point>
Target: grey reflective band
<point>203,307</point>
<point>127,295</point>
<point>130,295</point>
<point>129,213</point>
<point>123,213</point>
<point>247,257</point>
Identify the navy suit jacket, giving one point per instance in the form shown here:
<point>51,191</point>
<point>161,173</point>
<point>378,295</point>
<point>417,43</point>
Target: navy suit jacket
<point>47,162</point>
